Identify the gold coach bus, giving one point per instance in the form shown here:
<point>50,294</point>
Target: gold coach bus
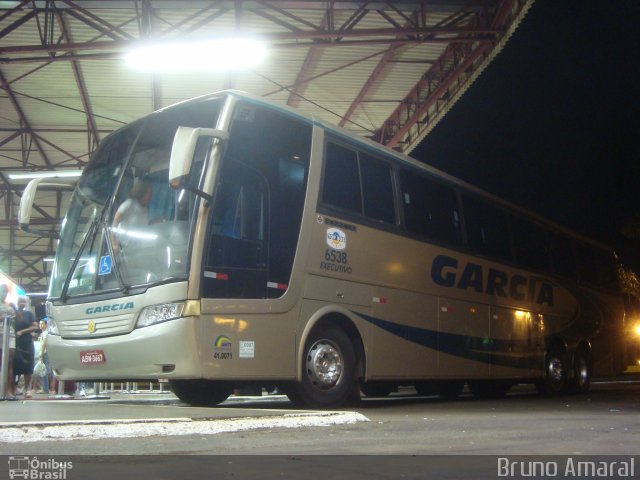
<point>268,248</point>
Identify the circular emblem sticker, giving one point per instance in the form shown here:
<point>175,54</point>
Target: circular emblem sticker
<point>336,239</point>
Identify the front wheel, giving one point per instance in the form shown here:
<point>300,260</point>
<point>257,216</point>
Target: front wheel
<point>377,389</point>
<point>328,370</point>
<point>201,393</point>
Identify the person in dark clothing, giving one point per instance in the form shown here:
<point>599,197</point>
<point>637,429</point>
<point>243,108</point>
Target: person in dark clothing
<point>23,358</point>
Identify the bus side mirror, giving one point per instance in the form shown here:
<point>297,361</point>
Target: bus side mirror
<point>183,149</point>
<point>26,205</point>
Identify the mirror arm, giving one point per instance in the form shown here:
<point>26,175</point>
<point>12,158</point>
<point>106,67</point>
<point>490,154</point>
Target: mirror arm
<point>41,233</point>
<point>190,188</point>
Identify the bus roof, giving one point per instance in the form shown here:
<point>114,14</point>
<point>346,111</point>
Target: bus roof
<point>399,157</point>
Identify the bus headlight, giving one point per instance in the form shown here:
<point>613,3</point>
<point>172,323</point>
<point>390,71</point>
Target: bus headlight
<point>159,313</point>
<point>52,326</point>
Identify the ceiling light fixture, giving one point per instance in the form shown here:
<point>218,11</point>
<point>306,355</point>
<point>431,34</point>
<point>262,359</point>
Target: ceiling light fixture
<point>204,56</point>
<point>43,174</point>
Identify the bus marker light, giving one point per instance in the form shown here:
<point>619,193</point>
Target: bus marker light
<point>216,275</point>
<point>279,286</point>
<point>379,300</point>
<point>446,309</point>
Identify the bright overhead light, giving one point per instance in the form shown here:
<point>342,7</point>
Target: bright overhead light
<point>204,56</point>
<point>47,174</point>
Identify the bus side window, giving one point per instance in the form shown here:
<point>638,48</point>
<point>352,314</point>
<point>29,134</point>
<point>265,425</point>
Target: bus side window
<point>607,268</point>
<point>587,269</point>
<point>530,244</point>
<point>563,256</point>
<point>430,208</point>
<point>341,179</point>
<point>377,189</point>
<point>237,250</point>
<point>487,229</point>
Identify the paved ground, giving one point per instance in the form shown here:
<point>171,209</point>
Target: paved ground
<point>604,422</point>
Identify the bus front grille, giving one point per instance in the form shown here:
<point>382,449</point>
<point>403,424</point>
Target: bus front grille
<point>96,327</point>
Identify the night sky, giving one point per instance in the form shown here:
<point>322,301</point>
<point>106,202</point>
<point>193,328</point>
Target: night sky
<point>553,123</point>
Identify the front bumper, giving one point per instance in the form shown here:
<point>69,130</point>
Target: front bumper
<point>165,350</point>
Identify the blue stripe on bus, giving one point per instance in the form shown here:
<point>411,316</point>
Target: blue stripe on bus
<point>479,349</point>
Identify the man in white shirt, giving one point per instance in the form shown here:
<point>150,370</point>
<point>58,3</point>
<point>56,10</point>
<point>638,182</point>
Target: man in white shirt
<point>7,311</point>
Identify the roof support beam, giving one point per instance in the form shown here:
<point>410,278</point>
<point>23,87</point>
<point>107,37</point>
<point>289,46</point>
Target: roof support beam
<point>93,138</point>
<point>25,18</point>
<point>310,62</point>
<point>105,28</point>
<point>23,118</point>
<point>427,34</point>
<point>434,86</point>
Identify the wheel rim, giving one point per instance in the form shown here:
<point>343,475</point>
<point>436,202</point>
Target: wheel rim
<point>582,372</point>
<point>556,371</point>
<point>324,365</point>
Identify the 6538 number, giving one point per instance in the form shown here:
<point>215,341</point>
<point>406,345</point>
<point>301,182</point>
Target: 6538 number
<point>335,257</point>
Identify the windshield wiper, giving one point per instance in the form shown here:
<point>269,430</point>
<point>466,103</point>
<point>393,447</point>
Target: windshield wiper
<point>124,288</point>
<point>93,228</point>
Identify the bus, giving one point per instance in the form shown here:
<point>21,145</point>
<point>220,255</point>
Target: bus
<point>270,248</point>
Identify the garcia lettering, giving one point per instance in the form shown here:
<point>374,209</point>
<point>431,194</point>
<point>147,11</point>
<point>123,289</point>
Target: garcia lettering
<point>447,272</point>
<point>109,308</point>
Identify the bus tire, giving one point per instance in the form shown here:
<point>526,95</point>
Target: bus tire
<point>201,393</point>
<point>328,370</point>
<point>581,372</point>
<point>377,389</point>
<point>450,389</point>
<point>488,389</point>
<point>555,372</point>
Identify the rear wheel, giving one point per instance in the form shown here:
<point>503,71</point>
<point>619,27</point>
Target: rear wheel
<point>556,372</point>
<point>201,393</point>
<point>581,372</point>
<point>328,370</point>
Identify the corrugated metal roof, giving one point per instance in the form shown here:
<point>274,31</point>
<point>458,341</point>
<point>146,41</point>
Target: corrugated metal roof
<point>387,70</point>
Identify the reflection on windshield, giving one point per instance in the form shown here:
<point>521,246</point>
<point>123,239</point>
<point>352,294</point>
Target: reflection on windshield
<point>125,225</point>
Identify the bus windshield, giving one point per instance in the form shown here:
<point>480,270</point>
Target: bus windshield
<point>125,226</point>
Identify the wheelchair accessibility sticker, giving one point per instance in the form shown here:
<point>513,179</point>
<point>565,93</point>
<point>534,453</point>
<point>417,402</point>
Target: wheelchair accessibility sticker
<point>105,265</point>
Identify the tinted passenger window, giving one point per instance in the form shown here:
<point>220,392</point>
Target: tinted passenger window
<point>530,244</point>
<point>254,223</point>
<point>587,271</point>
<point>377,189</point>
<point>487,229</point>
<point>430,209</point>
<point>341,179</point>
<point>562,255</point>
<point>607,269</point>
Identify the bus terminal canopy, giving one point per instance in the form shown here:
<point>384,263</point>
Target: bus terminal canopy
<point>387,70</point>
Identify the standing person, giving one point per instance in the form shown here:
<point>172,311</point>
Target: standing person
<point>47,384</point>
<point>6,310</point>
<point>132,213</point>
<point>23,363</point>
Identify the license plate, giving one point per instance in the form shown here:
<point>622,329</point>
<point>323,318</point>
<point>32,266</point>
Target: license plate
<point>92,357</point>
